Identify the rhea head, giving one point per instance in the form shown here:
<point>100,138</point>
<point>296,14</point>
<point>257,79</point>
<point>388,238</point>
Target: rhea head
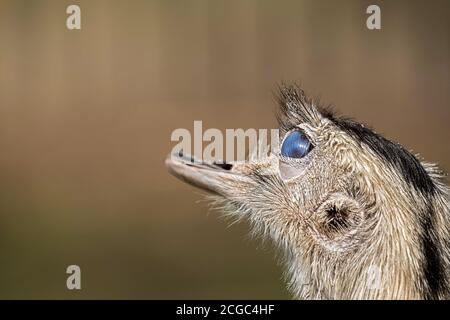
<point>355,214</point>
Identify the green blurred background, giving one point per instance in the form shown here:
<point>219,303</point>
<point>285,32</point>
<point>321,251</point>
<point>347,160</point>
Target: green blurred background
<point>86,118</point>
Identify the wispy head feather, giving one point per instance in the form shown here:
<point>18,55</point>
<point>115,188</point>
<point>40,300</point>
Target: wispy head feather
<point>295,107</point>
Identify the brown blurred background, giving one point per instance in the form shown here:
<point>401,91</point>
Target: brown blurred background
<point>86,118</point>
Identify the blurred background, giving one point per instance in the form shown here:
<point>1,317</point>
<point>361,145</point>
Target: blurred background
<point>86,118</point>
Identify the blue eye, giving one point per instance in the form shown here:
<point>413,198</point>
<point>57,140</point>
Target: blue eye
<point>295,145</point>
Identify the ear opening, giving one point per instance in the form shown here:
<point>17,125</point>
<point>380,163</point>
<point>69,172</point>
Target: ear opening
<point>338,218</point>
<point>338,222</point>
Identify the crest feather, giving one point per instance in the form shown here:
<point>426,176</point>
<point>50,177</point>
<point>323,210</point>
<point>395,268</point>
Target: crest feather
<point>295,108</point>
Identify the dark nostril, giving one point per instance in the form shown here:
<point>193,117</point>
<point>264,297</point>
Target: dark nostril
<point>223,165</point>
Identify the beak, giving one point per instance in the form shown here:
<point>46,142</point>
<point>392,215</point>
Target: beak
<point>214,177</point>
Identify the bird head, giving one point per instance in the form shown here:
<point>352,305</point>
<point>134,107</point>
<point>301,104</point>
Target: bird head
<point>346,206</point>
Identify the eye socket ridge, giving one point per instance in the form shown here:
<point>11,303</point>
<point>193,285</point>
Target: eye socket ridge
<point>296,145</point>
